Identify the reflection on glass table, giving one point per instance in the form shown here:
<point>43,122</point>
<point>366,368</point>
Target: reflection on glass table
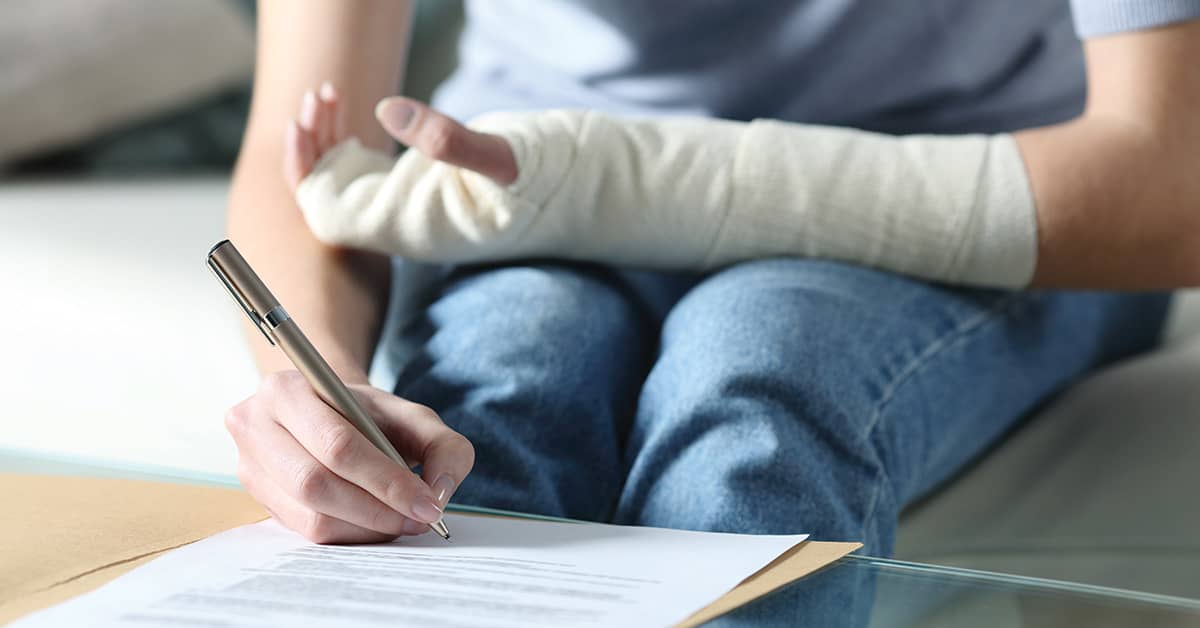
<point>864,592</point>
<point>854,592</point>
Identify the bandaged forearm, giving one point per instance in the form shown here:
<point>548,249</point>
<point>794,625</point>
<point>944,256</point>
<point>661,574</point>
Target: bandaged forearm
<point>692,193</point>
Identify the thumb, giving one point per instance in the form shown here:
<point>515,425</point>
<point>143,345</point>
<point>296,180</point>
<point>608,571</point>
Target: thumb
<point>445,456</point>
<point>440,137</point>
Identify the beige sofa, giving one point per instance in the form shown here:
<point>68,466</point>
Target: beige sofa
<point>121,349</point>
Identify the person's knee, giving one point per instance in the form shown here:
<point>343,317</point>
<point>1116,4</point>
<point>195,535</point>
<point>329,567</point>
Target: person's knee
<point>753,414</point>
<point>526,346</point>
<point>761,471</point>
<point>823,338</point>
<point>559,319</point>
<point>799,334</point>
<point>536,365</point>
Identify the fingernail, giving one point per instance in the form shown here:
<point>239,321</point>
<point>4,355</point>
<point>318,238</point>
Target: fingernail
<point>328,94</point>
<point>443,488</point>
<point>414,527</point>
<point>308,108</point>
<point>395,113</point>
<point>426,510</point>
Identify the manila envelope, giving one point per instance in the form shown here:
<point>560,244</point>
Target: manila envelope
<point>63,536</point>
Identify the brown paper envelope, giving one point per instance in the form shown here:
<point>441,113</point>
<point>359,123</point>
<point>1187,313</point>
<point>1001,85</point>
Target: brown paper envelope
<point>791,565</point>
<point>64,536</point>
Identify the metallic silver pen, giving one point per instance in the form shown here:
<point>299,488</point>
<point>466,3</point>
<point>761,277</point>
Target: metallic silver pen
<point>273,321</point>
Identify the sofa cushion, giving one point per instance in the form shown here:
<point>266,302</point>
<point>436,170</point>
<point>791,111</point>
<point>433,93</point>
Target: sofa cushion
<point>70,69</point>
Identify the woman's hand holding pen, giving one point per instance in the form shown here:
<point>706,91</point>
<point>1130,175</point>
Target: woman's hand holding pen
<point>311,469</point>
<point>316,474</point>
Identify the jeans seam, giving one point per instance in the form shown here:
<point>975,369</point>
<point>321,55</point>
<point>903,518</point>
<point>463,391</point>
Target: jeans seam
<point>915,366</point>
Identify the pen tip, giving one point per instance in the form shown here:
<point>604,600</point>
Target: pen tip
<point>441,529</point>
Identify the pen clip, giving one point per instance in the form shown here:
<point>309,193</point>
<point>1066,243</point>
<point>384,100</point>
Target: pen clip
<point>240,300</point>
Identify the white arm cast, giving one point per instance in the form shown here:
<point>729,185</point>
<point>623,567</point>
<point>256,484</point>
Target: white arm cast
<point>693,193</point>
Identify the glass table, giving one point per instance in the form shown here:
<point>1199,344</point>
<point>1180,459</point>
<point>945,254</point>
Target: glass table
<point>854,592</point>
<point>865,592</point>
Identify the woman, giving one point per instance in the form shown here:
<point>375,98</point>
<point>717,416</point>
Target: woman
<point>774,395</point>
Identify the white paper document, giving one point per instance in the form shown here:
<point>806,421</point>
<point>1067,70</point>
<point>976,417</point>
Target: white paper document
<point>494,572</point>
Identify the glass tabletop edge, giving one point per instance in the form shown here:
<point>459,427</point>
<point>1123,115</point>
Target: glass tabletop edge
<point>1045,584</point>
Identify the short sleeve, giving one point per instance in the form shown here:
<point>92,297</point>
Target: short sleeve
<point>1104,17</point>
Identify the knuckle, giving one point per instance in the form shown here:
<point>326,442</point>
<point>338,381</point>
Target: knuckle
<point>236,420</point>
<point>245,476</point>
<point>425,413</point>
<point>441,137</point>
<point>312,480</point>
<point>321,528</point>
<point>395,490</point>
<point>337,446</point>
<point>387,521</point>
<point>468,452</point>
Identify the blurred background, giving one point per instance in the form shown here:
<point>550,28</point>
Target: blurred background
<point>119,123</point>
<point>145,87</point>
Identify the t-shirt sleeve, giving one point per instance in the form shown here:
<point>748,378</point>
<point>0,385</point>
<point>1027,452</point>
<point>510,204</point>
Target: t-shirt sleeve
<point>1104,17</point>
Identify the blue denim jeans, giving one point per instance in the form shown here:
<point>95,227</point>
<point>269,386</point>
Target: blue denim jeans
<point>776,396</point>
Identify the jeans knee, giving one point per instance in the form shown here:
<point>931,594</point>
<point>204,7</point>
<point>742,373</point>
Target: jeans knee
<point>560,318</point>
<point>535,365</point>
<point>757,406</point>
<point>796,333</point>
